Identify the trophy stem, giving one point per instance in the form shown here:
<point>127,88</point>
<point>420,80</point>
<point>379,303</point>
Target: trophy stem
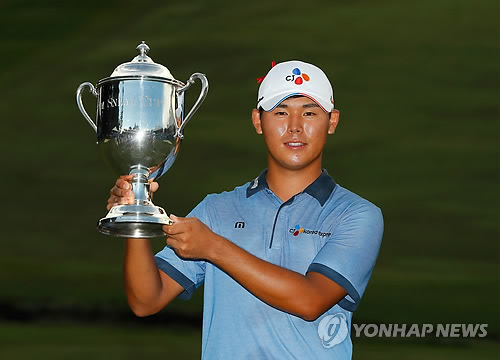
<point>141,186</point>
<point>142,219</point>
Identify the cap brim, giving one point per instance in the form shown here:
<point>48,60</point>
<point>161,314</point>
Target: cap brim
<point>271,103</point>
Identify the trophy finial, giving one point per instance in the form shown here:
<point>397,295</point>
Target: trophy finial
<point>143,48</point>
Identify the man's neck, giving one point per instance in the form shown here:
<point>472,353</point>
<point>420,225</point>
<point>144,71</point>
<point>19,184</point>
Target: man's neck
<point>286,183</point>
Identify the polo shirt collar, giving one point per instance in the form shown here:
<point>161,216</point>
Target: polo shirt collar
<point>258,184</point>
<point>320,189</point>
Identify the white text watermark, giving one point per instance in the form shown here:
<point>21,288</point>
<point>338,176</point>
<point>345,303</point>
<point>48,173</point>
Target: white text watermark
<point>333,330</point>
<point>420,330</point>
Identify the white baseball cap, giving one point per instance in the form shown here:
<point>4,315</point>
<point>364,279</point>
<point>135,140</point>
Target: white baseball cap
<point>295,78</point>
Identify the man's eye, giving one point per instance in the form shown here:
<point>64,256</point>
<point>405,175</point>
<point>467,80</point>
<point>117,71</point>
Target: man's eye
<point>281,113</point>
<point>309,113</point>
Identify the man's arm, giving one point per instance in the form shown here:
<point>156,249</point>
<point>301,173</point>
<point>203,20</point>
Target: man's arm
<point>307,296</point>
<point>147,288</point>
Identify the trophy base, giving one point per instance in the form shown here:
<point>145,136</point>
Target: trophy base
<point>134,221</point>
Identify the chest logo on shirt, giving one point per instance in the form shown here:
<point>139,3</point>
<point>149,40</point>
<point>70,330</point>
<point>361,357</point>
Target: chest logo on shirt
<point>300,230</point>
<point>239,225</point>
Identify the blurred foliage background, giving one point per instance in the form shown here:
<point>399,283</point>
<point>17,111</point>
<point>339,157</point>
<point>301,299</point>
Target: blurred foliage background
<point>417,84</point>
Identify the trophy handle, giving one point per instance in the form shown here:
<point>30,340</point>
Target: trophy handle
<point>79,102</point>
<point>197,104</point>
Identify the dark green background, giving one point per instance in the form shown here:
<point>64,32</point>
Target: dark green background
<point>417,85</point>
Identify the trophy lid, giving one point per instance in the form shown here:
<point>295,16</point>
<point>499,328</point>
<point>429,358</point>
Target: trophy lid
<point>142,65</point>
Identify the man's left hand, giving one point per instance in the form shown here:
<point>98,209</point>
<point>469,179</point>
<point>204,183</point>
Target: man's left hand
<point>189,237</point>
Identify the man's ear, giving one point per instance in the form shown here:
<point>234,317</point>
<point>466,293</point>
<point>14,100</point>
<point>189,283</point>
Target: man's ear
<point>256,121</point>
<point>334,120</point>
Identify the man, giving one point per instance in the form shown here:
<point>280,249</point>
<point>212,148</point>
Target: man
<point>285,258</point>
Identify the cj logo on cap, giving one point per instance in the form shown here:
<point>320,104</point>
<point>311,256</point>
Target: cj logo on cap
<point>298,77</point>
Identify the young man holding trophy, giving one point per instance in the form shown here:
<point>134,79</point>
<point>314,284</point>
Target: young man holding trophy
<point>284,258</point>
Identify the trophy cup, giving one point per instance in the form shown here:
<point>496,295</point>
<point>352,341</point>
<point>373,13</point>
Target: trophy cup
<point>139,125</point>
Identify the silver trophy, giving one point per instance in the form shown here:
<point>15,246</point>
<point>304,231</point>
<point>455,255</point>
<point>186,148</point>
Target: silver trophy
<point>140,123</point>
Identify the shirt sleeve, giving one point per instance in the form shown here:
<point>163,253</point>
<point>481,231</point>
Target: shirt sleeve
<point>190,274</point>
<point>349,256</point>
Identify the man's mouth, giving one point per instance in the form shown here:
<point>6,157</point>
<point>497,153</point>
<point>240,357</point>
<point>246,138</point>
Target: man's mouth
<point>294,144</point>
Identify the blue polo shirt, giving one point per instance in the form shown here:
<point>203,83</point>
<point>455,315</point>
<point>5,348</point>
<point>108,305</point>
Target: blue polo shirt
<point>325,229</point>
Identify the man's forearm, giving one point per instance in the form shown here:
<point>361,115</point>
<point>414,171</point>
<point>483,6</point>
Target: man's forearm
<point>143,284</point>
<point>284,289</point>
<point>307,296</point>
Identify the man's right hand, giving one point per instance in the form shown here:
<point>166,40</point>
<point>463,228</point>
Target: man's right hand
<point>121,193</point>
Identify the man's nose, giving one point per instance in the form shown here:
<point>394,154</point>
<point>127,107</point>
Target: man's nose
<point>295,124</point>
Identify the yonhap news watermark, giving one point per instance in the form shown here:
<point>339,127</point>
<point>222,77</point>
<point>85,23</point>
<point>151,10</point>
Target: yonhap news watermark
<point>333,330</point>
<point>420,330</point>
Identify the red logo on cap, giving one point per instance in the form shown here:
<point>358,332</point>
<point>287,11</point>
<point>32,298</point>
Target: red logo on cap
<point>298,77</point>
<point>261,79</point>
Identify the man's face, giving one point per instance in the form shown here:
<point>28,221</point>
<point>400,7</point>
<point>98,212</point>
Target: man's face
<point>295,132</point>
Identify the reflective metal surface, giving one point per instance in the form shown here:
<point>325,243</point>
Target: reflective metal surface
<point>139,126</point>
<point>137,123</point>
<point>80,103</point>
